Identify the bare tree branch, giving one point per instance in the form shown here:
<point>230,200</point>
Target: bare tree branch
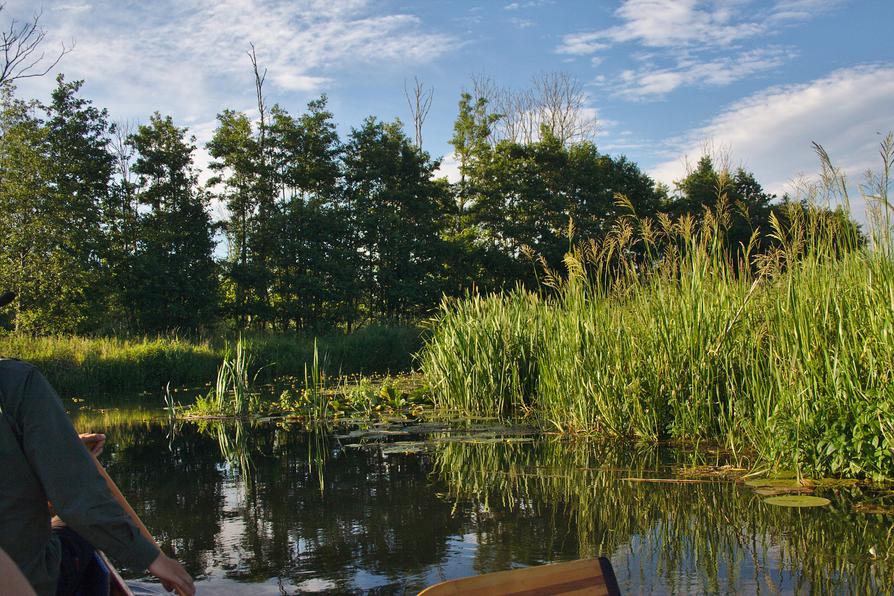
<point>259,90</point>
<point>555,101</point>
<point>20,44</point>
<point>419,101</point>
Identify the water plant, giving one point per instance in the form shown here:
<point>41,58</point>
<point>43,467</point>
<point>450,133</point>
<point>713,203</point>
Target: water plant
<point>233,392</point>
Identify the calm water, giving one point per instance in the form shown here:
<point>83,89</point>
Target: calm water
<point>264,509</point>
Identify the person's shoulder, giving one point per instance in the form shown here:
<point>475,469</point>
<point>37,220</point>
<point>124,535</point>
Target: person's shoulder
<point>14,365</point>
<point>14,372</point>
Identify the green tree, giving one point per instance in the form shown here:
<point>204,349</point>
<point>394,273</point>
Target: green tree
<point>737,194</point>
<point>55,180</point>
<point>236,152</point>
<point>30,263</point>
<point>532,200</point>
<point>471,146</point>
<point>78,137</point>
<point>397,213</point>
<point>312,255</point>
<point>175,270</point>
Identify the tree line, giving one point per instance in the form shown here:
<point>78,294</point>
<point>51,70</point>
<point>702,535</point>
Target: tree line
<point>106,228</point>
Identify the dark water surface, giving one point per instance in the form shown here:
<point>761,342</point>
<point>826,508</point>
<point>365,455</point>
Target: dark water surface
<point>267,509</point>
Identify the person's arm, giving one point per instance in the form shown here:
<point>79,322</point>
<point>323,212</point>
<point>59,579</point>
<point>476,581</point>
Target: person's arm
<point>12,582</point>
<point>70,479</point>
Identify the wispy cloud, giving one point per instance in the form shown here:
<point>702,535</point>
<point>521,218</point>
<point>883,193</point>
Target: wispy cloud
<point>772,130</point>
<point>652,82</point>
<point>800,10</point>
<point>692,42</point>
<point>692,23</point>
<point>299,40</point>
<point>668,23</point>
<point>527,4</point>
<point>521,23</point>
<point>176,54</point>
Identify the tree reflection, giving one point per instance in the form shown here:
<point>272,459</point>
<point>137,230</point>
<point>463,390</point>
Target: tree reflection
<point>258,503</point>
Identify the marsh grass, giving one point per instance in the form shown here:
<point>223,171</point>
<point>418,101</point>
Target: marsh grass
<point>660,332</point>
<point>82,366</point>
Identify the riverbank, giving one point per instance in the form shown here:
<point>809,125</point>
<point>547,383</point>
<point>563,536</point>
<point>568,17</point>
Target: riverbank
<point>81,366</point>
<point>660,334</point>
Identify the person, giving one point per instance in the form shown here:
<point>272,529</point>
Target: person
<point>43,459</point>
<point>12,582</point>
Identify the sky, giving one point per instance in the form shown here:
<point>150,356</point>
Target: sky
<point>759,80</point>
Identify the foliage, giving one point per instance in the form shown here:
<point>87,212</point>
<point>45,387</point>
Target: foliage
<point>396,207</point>
<point>174,282</point>
<point>54,177</point>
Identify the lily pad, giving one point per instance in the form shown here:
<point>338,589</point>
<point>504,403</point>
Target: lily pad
<point>404,448</point>
<point>778,483</point>
<point>771,491</point>
<point>798,501</point>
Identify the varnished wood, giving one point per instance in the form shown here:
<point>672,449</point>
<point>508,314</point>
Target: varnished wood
<point>583,578</point>
<point>119,496</point>
<point>117,586</point>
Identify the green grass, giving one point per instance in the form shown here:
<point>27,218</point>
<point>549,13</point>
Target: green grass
<point>82,366</point>
<point>658,333</point>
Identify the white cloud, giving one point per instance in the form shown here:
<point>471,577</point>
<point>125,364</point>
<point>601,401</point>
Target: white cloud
<point>800,10</point>
<point>772,130</point>
<point>296,40</point>
<point>73,7</point>
<point>692,23</point>
<point>187,57</point>
<point>528,4</point>
<point>449,168</point>
<point>669,23</point>
<point>652,83</point>
<point>692,42</point>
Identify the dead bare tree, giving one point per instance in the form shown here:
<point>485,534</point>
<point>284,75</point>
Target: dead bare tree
<point>561,106</point>
<point>20,47</point>
<point>419,100</point>
<point>259,90</point>
<point>555,100</point>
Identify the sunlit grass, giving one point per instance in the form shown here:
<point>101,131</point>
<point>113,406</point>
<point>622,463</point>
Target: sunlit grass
<point>82,366</point>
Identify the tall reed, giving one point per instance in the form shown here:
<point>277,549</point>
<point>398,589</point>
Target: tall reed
<point>233,392</point>
<point>661,332</point>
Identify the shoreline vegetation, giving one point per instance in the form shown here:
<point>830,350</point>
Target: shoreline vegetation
<point>79,366</point>
<point>575,293</point>
<point>662,332</point>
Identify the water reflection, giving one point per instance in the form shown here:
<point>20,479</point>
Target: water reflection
<point>670,538</point>
<point>267,504</point>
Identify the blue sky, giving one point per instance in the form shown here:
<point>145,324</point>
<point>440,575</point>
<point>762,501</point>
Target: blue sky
<point>758,79</point>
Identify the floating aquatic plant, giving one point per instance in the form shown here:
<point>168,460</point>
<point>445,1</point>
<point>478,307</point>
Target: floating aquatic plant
<point>798,501</point>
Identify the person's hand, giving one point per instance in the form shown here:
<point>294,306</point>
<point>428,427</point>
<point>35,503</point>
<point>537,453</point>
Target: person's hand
<point>94,443</point>
<point>172,575</point>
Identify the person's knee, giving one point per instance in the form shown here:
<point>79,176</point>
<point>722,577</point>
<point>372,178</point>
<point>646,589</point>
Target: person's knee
<point>77,555</point>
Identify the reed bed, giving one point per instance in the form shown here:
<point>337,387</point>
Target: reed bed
<point>661,332</point>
